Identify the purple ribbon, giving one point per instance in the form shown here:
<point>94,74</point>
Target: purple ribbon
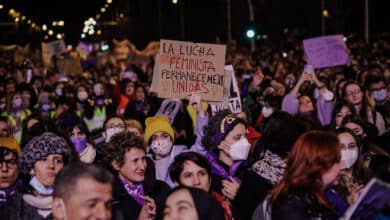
<point>134,191</point>
<point>7,193</point>
<point>220,171</point>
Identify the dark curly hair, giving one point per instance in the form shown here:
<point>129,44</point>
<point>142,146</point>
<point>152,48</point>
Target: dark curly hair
<point>119,144</point>
<point>214,125</point>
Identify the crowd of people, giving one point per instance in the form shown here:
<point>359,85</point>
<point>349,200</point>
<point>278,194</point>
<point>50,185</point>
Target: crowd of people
<point>98,145</point>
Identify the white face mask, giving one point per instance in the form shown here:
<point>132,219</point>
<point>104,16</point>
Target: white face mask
<point>349,157</point>
<point>161,147</point>
<point>111,131</point>
<point>82,95</point>
<point>240,149</point>
<point>267,111</point>
<point>328,95</point>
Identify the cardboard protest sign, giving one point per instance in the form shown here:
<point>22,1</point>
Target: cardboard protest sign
<point>50,49</point>
<point>233,92</point>
<point>187,67</point>
<point>374,198</point>
<point>69,66</point>
<point>326,51</point>
<point>155,78</point>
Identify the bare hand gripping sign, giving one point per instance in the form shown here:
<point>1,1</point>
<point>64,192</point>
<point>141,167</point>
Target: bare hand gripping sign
<point>187,67</point>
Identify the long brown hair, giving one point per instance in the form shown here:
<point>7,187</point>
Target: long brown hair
<point>313,153</point>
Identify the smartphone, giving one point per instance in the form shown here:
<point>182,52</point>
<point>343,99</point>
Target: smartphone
<point>308,69</point>
<point>29,74</point>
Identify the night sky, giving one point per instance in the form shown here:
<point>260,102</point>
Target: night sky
<point>205,20</point>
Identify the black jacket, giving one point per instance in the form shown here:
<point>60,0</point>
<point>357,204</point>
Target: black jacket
<point>125,207</point>
<point>299,208</point>
<point>252,191</point>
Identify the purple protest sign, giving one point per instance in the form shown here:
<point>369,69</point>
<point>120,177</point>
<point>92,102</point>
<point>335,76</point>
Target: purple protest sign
<point>326,51</point>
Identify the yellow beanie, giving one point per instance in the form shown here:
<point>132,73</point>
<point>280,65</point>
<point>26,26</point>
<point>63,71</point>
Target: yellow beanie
<point>10,143</point>
<point>158,123</point>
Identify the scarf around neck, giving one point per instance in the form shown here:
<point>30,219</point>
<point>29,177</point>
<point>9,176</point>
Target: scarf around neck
<point>134,191</point>
<point>7,193</point>
<point>270,167</point>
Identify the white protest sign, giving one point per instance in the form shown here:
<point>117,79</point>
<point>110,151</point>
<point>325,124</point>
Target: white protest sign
<point>234,99</point>
<point>155,78</point>
<point>187,67</point>
<point>326,51</point>
<point>52,48</point>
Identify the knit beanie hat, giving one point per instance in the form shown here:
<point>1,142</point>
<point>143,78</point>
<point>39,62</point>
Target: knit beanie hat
<point>10,143</point>
<point>41,146</point>
<point>158,123</point>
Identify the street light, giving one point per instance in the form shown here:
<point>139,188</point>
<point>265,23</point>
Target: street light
<point>250,33</point>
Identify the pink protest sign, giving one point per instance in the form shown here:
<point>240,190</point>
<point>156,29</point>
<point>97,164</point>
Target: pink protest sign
<point>326,51</point>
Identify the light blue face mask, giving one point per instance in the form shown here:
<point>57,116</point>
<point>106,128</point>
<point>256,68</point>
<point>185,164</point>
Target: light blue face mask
<point>40,188</point>
<point>380,95</point>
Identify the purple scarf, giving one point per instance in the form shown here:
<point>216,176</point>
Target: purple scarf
<point>135,191</point>
<point>218,169</point>
<point>7,193</point>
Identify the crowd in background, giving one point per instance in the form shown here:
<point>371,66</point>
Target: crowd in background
<point>304,146</point>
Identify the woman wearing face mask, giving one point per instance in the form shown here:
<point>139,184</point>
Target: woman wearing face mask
<point>40,166</point>
<point>296,102</point>
<point>355,175</point>
<point>366,135</point>
<point>354,94</point>
<point>79,136</point>
<point>160,136</point>
<point>83,106</point>
<point>228,150</point>
<point>16,114</point>
<point>138,108</point>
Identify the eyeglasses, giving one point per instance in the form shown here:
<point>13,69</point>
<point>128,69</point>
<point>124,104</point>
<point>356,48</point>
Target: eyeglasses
<point>354,92</point>
<point>10,163</point>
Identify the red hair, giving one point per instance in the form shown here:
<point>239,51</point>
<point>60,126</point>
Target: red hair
<point>314,153</point>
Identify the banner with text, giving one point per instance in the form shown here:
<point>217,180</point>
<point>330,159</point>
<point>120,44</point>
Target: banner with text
<point>234,100</point>
<point>326,51</point>
<point>52,48</point>
<point>187,67</point>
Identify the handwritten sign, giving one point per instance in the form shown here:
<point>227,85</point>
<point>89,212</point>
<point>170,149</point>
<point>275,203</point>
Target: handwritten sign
<point>50,49</point>
<point>187,67</point>
<point>326,51</point>
<point>233,94</point>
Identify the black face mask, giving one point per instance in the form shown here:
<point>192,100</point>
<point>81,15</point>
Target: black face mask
<point>36,130</point>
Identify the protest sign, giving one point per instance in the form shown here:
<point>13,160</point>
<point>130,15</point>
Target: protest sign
<point>187,67</point>
<point>326,51</point>
<point>374,198</point>
<point>71,65</point>
<point>169,108</point>
<point>155,78</point>
<point>52,48</point>
<point>233,94</point>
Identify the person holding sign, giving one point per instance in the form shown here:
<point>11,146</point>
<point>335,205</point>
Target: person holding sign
<point>160,136</point>
<point>296,102</point>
